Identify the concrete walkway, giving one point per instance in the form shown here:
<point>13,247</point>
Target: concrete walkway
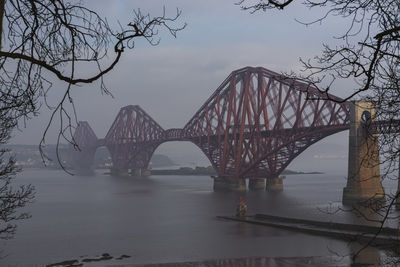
<point>386,237</point>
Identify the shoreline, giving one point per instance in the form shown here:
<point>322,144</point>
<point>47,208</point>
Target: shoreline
<point>210,171</point>
<point>240,261</point>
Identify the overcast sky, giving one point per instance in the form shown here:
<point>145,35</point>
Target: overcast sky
<point>172,80</point>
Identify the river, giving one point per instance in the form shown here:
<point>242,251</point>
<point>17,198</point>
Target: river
<point>163,219</point>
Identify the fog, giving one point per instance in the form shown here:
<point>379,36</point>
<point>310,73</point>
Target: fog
<point>167,218</point>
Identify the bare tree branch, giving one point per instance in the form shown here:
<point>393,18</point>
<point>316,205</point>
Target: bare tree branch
<point>41,39</point>
<point>369,55</point>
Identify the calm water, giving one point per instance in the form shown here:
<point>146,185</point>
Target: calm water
<point>167,219</point>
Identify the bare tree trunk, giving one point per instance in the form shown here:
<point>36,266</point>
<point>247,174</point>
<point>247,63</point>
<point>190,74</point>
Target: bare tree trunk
<point>2,5</point>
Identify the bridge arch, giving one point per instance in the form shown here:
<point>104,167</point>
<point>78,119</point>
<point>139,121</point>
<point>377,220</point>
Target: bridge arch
<point>184,153</point>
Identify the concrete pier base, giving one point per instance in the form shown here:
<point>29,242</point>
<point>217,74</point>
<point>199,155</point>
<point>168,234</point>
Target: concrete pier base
<point>363,180</point>
<point>136,172</point>
<point>145,172</point>
<point>274,184</point>
<point>229,184</point>
<point>358,194</point>
<point>256,184</point>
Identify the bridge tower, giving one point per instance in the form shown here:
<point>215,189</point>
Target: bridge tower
<point>131,140</point>
<point>363,180</point>
<point>81,157</point>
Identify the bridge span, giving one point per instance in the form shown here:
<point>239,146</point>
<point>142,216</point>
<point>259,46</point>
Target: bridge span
<point>254,124</point>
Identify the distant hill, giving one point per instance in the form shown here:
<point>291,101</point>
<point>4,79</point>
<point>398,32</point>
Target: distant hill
<point>290,172</point>
<point>28,156</point>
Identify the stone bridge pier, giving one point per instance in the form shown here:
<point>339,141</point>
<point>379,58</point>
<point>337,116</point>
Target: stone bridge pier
<point>229,184</point>
<point>256,184</point>
<point>270,184</point>
<point>363,180</point>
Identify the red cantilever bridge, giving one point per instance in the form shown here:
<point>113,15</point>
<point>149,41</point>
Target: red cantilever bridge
<point>252,126</point>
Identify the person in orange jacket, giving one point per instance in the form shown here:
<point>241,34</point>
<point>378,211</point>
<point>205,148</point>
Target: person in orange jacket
<point>241,209</point>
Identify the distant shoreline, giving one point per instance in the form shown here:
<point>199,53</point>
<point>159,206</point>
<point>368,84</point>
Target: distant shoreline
<point>290,172</point>
<point>210,171</point>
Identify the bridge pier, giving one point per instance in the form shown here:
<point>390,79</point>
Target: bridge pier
<point>145,172</point>
<point>274,184</point>
<point>363,180</point>
<point>229,184</point>
<point>136,172</point>
<point>256,184</point>
<point>140,172</point>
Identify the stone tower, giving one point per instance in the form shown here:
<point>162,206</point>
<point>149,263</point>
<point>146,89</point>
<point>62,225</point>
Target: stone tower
<point>363,180</point>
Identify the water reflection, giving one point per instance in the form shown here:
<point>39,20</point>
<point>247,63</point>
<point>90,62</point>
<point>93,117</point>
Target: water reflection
<point>364,256</point>
<point>248,262</point>
<point>169,219</point>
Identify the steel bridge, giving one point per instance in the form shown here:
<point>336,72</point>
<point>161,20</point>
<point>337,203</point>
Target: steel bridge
<point>254,124</point>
